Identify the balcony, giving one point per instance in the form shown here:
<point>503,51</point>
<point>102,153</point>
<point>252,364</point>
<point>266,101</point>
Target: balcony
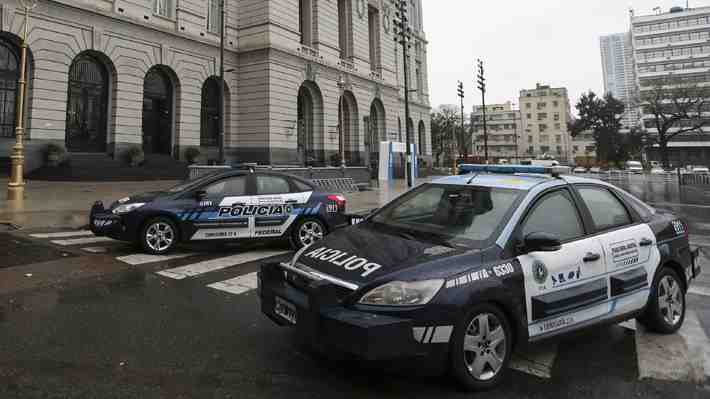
<point>347,64</point>
<point>309,52</point>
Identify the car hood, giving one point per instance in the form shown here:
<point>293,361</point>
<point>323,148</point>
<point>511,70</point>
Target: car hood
<point>367,252</point>
<point>139,198</point>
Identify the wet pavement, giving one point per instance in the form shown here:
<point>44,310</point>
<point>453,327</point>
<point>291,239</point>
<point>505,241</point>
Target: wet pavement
<point>106,324</point>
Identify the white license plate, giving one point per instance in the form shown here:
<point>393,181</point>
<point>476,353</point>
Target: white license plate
<point>286,310</point>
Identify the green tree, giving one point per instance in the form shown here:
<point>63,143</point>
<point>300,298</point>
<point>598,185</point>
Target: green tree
<point>602,116</point>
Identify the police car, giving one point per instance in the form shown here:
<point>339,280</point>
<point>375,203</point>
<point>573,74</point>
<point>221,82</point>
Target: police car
<point>458,272</point>
<point>233,205</point>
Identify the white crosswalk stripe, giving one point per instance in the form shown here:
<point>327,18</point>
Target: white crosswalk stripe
<point>63,234</point>
<point>212,265</point>
<point>82,241</point>
<point>238,285</point>
<point>143,259</point>
<point>699,290</point>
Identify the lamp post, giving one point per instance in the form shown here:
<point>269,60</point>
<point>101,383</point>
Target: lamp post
<point>403,33</point>
<point>341,120</point>
<point>16,185</point>
<point>221,83</point>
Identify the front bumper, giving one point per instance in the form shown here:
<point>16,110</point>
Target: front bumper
<point>325,324</point>
<point>104,223</point>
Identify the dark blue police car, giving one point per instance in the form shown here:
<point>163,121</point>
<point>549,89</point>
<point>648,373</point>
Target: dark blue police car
<point>233,205</point>
<point>458,272</point>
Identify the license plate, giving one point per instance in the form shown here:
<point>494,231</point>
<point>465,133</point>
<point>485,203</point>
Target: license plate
<point>356,220</point>
<point>286,310</point>
<point>102,222</point>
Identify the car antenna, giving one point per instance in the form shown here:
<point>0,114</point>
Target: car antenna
<point>471,179</point>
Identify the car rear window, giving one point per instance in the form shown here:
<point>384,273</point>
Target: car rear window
<point>466,214</point>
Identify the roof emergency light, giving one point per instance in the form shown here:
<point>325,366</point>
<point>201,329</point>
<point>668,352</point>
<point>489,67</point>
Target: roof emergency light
<point>554,171</point>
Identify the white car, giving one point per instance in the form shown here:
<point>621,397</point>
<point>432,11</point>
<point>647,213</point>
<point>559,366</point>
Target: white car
<point>580,169</point>
<point>596,170</point>
<point>657,171</point>
<point>634,167</point>
<point>700,170</point>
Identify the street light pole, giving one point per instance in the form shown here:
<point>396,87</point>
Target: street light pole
<point>221,82</point>
<point>16,185</point>
<point>341,120</point>
<point>461,97</point>
<point>482,88</point>
<point>402,36</point>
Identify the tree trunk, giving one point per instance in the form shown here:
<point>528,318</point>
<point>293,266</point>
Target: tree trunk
<point>663,148</point>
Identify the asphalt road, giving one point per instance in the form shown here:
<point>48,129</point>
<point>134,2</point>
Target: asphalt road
<point>103,323</point>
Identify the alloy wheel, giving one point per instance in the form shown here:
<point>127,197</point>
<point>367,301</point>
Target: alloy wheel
<point>310,232</point>
<point>670,300</point>
<point>159,236</point>
<point>484,346</point>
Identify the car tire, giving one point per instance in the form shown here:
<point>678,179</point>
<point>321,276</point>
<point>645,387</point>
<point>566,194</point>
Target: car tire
<point>159,236</point>
<point>665,311</point>
<point>306,232</point>
<point>480,355</point>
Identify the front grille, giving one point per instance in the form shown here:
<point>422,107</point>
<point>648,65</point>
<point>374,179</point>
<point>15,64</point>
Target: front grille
<point>302,284</point>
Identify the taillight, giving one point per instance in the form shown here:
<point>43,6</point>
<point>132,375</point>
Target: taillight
<point>339,201</point>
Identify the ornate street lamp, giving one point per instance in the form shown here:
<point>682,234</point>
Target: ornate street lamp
<point>341,119</point>
<point>16,185</point>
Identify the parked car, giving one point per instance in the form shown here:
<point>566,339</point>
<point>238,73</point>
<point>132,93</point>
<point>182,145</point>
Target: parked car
<point>657,171</point>
<point>454,274</point>
<point>580,169</point>
<point>595,169</point>
<point>700,170</point>
<point>634,167</point>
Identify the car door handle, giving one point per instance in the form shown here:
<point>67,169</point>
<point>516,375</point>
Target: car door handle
<point>291,202</point>
<point>591,257</point>
<point>645,242</point>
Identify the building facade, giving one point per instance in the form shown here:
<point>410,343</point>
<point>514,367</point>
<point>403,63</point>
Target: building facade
<point>618,70</point>
<point>674,44</point>
<point>305,81</point>
<point>504,131</point>
<point>545,112</point>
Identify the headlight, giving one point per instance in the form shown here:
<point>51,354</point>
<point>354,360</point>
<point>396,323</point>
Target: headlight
<point>121,209</point>
<point>403,293</point>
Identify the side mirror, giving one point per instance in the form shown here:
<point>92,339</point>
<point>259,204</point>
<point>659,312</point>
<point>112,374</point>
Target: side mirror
<point>200,195</point>
<point>542,242</point>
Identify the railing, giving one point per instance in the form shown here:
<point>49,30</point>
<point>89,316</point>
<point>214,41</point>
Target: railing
<point>309,51</point>
<point>690,178</point>
<point>347,64</point>
<point>353,175</point>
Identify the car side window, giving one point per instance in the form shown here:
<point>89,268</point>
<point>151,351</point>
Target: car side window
<point>555,213</point>
<point>607,211</point>
<point>267,185</point>
<point>232,187</point>
<point>300,187</point>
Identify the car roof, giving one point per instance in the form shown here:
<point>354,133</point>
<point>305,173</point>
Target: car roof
<point>242,172</point>
<point>516,181</point>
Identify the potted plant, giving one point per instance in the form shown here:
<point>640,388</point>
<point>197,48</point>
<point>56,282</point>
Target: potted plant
<point>191,154</point>
<point>53,154</point>
<point>134,156</point>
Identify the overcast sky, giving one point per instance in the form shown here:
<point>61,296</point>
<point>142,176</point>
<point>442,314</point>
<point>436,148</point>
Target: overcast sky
<point>523,42</point>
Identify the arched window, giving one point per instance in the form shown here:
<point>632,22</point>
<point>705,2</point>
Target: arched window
<point>421,142</point>
<point>87,108</point>
<point>157,112</point>
<point>9,74</point>
<point>209,121</point>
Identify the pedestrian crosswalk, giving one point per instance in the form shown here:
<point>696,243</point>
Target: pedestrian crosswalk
<point>680,357</point>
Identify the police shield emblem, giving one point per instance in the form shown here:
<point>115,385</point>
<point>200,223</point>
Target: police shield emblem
<point>539,272</point>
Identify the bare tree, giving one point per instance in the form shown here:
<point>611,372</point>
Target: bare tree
<point>675,106</point>
<point>444,123</point>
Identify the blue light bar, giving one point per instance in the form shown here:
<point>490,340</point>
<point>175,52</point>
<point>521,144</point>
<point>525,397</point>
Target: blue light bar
<point>466,169</point>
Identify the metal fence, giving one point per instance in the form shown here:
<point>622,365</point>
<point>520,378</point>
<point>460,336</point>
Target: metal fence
<point>688,179</point>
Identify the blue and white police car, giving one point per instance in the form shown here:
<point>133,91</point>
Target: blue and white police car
<point>233,205</point>
<point>458,272</point>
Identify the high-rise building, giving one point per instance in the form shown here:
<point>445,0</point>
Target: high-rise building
<point>305,80</point>
<point>504,131</point>
<point>618,69</point>
<point>674,44</point>
<point>545,112</point>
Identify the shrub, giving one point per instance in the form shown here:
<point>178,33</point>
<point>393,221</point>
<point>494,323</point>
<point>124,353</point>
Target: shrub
<point>191,154</point>
<point>133,156</point>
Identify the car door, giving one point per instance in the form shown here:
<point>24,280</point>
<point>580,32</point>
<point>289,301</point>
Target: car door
<point>278,202</point>
<point>563,288</point>
<point>630,252</point>
<point>224,206</point>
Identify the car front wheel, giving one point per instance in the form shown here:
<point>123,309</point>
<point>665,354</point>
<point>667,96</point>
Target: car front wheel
<point>665,311</point>
<point>159,236</point>
<point>481,348</point>
<point>307,232</point>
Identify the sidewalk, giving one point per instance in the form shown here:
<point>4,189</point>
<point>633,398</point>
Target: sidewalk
<point>67,204</point>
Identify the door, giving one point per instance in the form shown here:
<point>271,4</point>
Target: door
<point>223,214</point>
<point>9,74</point>
<point>87,106</point>
<point>630,252</point>
<point>278,202</point>
<point>563,288</point>
<point>157,113</point>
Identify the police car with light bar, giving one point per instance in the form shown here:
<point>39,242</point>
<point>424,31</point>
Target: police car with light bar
<point>234,205</point>
<point>459,272</point>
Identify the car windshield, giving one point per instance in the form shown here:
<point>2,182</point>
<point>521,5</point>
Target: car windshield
<point>468,215</point>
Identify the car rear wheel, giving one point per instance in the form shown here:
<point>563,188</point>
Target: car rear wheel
<point>665,311</point>
<point>159,236</point>
<point>307,232</point>
<point>481,348</point>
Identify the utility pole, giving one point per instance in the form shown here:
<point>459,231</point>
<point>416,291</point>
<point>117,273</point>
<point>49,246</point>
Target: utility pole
<point>482,88</point>
<point>221,82</point>
<point>461,97</point>
<point>403,34</point>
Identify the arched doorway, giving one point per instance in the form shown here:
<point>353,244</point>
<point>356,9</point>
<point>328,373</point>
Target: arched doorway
<point>209,119</point>
<point>421,142</point>
<point>310,125</point>
<point>157,112</point>
<point>376,132</point>
<point>9,74</point>
<point>87,107</point>
<point>349,142</point>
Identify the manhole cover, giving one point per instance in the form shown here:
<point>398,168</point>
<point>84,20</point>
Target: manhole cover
<point>16,251</point>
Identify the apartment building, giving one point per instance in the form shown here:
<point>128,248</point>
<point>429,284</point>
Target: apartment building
<point>545,112</point>
<point>618,71</point>
<point>674,44</point>
<point>306,80</point>
<point>504,131</point>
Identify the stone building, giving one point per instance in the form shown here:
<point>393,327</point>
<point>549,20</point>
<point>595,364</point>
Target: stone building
<point>106,75</point>
<point>545,112</point>
<point>504,132</point>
